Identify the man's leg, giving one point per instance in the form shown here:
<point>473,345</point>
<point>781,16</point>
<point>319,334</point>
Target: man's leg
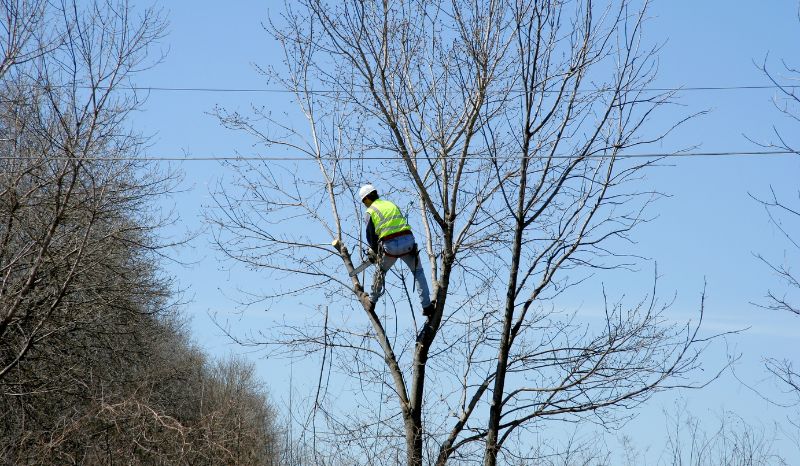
<point>384,264</point>
<point>413,263</point>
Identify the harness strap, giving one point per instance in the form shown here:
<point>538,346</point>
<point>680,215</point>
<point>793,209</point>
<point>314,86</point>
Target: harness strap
<point>396,235</point>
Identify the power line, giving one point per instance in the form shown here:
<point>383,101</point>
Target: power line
<point>332,91</point>
<point>738,154</point>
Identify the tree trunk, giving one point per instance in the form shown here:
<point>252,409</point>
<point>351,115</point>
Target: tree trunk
<point>496,407</point>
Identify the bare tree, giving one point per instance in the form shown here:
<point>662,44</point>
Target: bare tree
<point>24,36</point>
<point>95,365</point>
<point>732,441</point>
<point>69,182</point>
<point>784,215</point>
<point>151,397</point>
<point>506,124</point>
<point>709,439</point>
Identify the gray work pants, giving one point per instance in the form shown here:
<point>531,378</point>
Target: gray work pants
<point>396,246</point>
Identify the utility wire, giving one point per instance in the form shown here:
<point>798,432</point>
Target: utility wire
<point>331,91</point>
<point>234,158</point>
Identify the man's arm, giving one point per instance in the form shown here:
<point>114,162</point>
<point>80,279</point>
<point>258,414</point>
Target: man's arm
<point>372,237</point>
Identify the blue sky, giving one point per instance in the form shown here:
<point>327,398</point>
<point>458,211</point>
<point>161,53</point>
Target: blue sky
<point>706,232</point>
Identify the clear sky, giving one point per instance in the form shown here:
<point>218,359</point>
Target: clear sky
<point>707,231</point>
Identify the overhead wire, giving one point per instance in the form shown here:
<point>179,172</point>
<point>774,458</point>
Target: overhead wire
<point>736,153</point>
<point>331,91</point>
<point>235,158</point>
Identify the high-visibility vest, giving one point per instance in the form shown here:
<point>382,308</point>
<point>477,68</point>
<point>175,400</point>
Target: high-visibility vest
<point>387,218</point>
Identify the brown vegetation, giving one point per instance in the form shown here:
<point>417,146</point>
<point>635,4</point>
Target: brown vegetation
<point>95,366</point>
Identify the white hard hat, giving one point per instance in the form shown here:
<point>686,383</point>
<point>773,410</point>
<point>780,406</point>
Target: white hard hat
<point>365,190</point>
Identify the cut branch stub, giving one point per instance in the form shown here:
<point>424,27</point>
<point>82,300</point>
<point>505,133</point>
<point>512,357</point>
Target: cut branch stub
<point>358,290</point>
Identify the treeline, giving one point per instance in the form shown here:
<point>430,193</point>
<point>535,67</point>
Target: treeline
<point>96,366</point>
<point>131,389</point>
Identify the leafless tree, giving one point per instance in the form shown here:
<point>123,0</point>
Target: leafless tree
<point>505,124</point>
<point>784,215</point>
<point>24,36</point>
<point>159,402</point>
<point>710,438</point>
<point>732,441</point>
<point>70,184</point>
<point>94,365</point>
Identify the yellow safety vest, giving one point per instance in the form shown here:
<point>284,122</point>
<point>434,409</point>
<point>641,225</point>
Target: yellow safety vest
<point>387,218</point>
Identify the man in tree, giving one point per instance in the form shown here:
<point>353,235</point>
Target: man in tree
<point>389,237</point>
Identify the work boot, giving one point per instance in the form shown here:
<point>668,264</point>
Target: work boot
<point>427,311</point>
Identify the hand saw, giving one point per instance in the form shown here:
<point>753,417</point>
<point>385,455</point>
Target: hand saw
<point>360,268</point>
